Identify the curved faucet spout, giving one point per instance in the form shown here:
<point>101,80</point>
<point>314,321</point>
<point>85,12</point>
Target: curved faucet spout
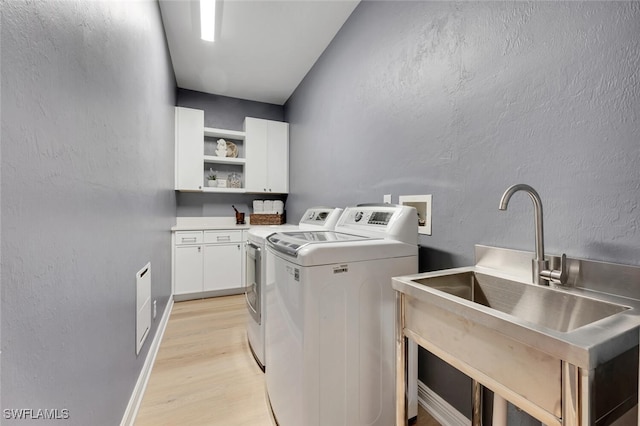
<point>539,261</point>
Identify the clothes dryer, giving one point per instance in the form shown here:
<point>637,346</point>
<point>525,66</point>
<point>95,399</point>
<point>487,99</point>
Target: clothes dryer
<point>256,271</point>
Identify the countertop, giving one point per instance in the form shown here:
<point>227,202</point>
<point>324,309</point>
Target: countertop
<point>210,223</point>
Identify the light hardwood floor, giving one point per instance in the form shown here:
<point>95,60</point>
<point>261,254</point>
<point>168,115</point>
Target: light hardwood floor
<point>204,373</point>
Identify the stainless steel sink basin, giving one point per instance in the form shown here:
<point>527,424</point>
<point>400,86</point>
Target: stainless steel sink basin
<point>542,306</point>
<point>567,355</point>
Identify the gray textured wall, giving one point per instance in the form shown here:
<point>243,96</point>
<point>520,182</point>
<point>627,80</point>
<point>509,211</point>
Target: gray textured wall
<point>225,113</point>
<point>1,208</point>
<point>87,199</point>
<point>461,100</point>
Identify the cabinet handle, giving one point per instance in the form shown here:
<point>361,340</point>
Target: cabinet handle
<point>199,248</point>
<point>189,240</point>
<point>224,238</point>
<point>238,246</point>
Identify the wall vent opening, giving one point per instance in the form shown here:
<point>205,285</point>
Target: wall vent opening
<point>143,305</point>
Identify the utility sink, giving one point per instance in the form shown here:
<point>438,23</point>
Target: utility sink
<point>540,306</point>
<point>566,355</point>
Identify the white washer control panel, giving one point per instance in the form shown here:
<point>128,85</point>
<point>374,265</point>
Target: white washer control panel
<point>368,217</point>
<point>381,221</point>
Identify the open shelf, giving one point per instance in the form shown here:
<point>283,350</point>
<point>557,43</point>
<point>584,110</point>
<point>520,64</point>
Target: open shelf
<point>223,190</point>
<point>212,132</point>
<point>224,160</point>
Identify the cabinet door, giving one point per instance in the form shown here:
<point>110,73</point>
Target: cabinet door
<point>278,157</point>
<point>188,269</point>
<point>189,149</point>
<point>256,152</point>
<point>222,266</point>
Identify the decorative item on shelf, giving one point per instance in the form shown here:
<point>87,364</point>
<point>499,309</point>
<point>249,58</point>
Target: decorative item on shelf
<point>234,180</point>
<point>221,149</point>
<point>232,150</point>
<point>222,183</point>
<point>211,179</point>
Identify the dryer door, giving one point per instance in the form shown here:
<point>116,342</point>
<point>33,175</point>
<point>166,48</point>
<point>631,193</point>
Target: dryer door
<point>253,285</point>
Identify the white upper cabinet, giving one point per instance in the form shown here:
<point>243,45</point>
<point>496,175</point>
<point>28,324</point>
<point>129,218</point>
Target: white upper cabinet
<point>189,149</point>
<point>260,161</point>
<point>196,156</point>
<point>267,149</point>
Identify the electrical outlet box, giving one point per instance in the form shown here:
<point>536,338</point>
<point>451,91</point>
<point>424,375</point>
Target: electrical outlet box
<point>422,204</point>
<point>386,198</point>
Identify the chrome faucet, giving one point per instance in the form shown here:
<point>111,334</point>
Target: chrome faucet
<point>540,266</point>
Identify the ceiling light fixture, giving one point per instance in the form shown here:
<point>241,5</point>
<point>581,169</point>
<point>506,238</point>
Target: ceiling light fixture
<point>208,20</point>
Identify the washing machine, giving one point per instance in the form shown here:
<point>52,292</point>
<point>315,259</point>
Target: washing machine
<point>256,271</point>
<point>330,337</point>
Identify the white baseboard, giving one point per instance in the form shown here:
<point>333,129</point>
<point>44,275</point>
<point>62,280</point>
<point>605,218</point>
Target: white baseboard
<point>440,409</point>
<point>206,294</point>
<point>141,385</point>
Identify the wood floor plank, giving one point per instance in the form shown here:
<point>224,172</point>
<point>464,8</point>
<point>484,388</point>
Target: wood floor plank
<point>204,373</point>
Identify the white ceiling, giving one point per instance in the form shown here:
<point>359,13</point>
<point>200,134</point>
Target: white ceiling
<point>263,48</point>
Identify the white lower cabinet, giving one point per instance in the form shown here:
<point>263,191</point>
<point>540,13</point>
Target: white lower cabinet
<point>208,263</point>
<point>188,269</point>
<point>222,266</point>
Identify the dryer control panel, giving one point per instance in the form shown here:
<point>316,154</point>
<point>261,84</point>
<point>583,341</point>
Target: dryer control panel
<point>325,217</point>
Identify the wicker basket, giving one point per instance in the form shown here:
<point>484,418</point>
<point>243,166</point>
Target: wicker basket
<point>267,219</point>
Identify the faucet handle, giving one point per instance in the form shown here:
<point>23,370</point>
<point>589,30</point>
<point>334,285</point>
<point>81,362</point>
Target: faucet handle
<point>557,276</point>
